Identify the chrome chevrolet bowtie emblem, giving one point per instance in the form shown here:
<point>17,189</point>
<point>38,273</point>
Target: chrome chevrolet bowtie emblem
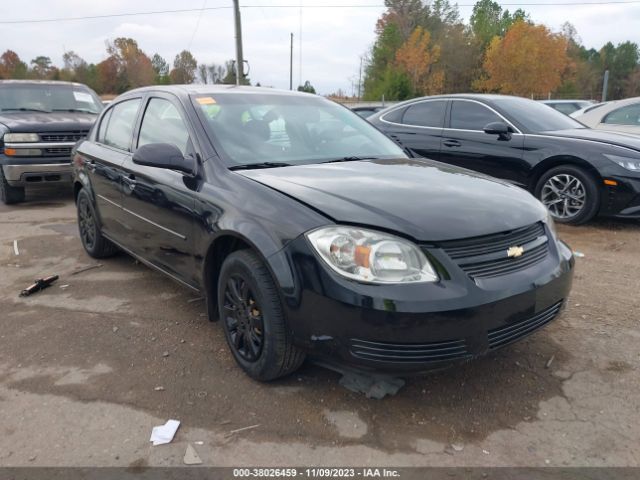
<point>515,252</point>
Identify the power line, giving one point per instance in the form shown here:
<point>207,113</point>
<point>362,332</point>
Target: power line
<point>342,6</point>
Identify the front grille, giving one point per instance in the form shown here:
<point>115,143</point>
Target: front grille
<point>72,136</point>
<point>484,257</point>
<point>501,336</point>
<point>57,151</point>
<point>409,352</point>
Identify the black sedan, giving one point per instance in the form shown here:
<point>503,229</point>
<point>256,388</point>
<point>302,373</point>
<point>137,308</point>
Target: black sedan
<point>575,171</point>
<point>307,230</point>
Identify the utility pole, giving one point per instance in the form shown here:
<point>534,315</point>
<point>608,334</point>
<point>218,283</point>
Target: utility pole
<point>360,78</point>
<point>291,64</point>
<point>239,59</point>
<point>605,85</point>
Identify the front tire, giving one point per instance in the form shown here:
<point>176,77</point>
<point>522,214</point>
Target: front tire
<point>90,234</point>
<point>252,318</point>
<point>570,194</point>
<point>8,194</point>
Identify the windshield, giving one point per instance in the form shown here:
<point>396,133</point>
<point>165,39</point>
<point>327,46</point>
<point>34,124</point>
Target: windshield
<point>289,129</point>
<point>48,98</point>
<point>534,116</point>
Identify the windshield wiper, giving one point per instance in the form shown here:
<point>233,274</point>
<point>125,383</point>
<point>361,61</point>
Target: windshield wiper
<point>25,110</point>
<point>349,159</point>
<point>251,166</point>
<point>74,110</point>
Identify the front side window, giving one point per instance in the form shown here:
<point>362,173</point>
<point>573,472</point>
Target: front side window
<point>163,123</point>
<point>426,114</point>
<point>289,129</point>
<point>628,115</point>
<point>119,129</point>
<point>471,116</point>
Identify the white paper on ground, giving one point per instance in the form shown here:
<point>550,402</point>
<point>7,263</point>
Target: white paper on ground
<point>164,433</point>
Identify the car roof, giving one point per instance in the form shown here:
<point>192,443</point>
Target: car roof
<point>41,82</point>
<point>565,101</point>
<point>202,89</point>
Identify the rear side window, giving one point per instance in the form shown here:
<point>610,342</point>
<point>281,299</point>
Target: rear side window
<point>394,116</point>
<point>103,125</point>
<point>163,123</point>
<point>119,129</point>
<point>471,116</point>
<point>426,114</point>
<point>628,115</point>
<point>566,108</point>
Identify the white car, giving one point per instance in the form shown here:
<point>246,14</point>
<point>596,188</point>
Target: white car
<point>622,116</point>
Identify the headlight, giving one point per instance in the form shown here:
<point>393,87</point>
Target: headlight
<point>21,137</point>
<point>629,163</point>
<point>372,257</point>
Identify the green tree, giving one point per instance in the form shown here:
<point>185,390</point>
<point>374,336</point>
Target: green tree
<point>42,67</point>
<point>488,20</point>
<point>184,68</point>
<point>160,68</point>
<point>307,87</point>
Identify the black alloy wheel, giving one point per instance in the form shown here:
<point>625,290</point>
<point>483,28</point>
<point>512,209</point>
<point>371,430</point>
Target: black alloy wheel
<point>252,317</point>
<point>91,236</point>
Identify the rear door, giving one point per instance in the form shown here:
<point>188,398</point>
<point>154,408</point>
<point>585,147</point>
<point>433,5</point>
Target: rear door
<point>465,144</point>
<point>104,164</point>
<point>418,127</point>
<point>160,202</point>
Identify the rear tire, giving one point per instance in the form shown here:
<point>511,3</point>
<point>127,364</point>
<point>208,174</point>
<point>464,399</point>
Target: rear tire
<point>90,234</point>
<point>252,318</point>
<point>570,194</point>
<point>8,194</point>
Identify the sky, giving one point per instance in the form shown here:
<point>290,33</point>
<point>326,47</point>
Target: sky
<point>328,42</point>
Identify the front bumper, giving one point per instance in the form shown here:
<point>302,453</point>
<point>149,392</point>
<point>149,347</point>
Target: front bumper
<point>20,172</point>
<point>419,327</point>
<point>623,199</point>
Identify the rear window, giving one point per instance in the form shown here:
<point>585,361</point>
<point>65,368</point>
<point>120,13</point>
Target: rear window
<point>426,114</point>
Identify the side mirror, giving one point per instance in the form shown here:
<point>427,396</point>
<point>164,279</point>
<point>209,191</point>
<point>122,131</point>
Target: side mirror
<point>497,128</point>
<point>164,155</point>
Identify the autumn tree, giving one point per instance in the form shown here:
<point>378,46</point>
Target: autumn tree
<point>134,68</point>
<point>417,58</point>
<point>529,60</point>
<point>11,66</point>
<point>184,68</point>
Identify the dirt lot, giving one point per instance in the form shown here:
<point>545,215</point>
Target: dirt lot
<point>79,367</point>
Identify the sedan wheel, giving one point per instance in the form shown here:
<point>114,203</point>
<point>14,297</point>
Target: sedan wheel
<point>564,195</point>
<point>570,194</point>
<point>250,309</point>
<point>90,234</point>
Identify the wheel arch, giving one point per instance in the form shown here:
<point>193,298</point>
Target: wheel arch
<point>220,247</point>
<point>558,160</point>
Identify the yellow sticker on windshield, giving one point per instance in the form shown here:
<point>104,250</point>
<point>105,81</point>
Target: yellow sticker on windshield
<point>205,100</point>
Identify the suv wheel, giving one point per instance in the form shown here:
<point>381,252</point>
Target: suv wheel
<point>252,318</point>
<point>92,240</point>
<point>9,194</point>
<point>569,193</point>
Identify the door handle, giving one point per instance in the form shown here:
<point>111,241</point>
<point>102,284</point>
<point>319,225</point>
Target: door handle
<point>452,143</point>
<point>131,181</point>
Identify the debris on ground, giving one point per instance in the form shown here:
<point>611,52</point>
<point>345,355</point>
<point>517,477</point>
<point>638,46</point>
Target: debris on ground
<point>165,354</point>
<point>238,430</point>
<point>193,300</point>
<point>15,248</point>
<point>373,385</point>
<point>66,285</point>
<point>457,447</point>
<point>199,442</point>
<point>550,361</point>
<point>38,285</point>
<point>191,457</point>
<point>159,389</point>
<point>114,329</point>
<point>578,254</point>
<point>84,269</point>
<point>164,433</point>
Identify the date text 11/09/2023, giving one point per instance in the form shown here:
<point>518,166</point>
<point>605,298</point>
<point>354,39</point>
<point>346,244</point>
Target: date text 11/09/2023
<point>315,472</point>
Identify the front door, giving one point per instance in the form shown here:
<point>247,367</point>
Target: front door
<point>160,202</point>
<point>465,144</point>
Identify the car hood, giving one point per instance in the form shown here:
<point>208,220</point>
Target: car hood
<point>28,122</point>
<point>601,136</point>
<point>422,199</point>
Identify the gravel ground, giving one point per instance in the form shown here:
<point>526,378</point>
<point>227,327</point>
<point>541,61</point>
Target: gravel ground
<point>90,365</point>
